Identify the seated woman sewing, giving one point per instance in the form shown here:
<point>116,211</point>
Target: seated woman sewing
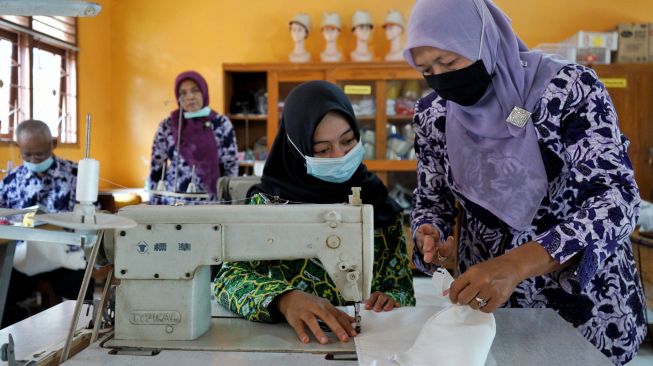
<point>316,158</point>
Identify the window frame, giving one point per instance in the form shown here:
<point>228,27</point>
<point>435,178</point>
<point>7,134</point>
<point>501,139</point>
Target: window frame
<point>22,96</point>
<point>12,85</point>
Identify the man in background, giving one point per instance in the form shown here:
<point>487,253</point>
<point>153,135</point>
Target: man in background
<point>53,270</point>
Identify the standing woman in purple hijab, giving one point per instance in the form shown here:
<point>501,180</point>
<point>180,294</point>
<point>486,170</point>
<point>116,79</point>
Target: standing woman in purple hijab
<point>207,143</point>
<point>531,148</point>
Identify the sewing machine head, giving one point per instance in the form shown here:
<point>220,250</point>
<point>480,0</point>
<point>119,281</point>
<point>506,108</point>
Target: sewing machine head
<point>163,263</point>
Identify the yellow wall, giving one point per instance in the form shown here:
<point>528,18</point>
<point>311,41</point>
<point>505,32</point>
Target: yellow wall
<point>94,93</point>
<point>132,51</point>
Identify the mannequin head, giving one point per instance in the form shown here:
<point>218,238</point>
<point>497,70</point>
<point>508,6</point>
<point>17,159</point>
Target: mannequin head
<point>330,33</point>
<point>363,32</point>
<point>361,25</point>
<point>331,26</point>
<point>393,31</point>
<point>300,26</point>
<point>298,32</point>
<point>393,24</point>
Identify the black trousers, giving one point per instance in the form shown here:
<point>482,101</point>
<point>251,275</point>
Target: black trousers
<point>64,282</point>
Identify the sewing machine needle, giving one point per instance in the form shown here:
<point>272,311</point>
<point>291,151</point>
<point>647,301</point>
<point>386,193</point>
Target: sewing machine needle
<point>357,316</point>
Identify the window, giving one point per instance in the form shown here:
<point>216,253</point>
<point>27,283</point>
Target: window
<point>7,83</point>
<point>38,74</point>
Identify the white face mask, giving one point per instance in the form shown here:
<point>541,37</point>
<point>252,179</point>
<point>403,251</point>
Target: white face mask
<point>334,170</point>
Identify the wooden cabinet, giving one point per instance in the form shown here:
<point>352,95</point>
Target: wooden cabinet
<point>383,96</point>
<point>631,89</point>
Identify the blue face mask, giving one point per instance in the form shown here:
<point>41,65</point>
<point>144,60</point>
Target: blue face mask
<point>203,112</point>
<point>334,170</point>
<point>39,167</point>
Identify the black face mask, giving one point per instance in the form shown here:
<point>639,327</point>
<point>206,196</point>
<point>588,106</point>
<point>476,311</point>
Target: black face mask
<point>464,87</point>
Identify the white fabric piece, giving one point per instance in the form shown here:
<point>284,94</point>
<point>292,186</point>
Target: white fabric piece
<point>455,335</point>
<point>645,221</point>
<point>386,333</point>
<point>32,258</point>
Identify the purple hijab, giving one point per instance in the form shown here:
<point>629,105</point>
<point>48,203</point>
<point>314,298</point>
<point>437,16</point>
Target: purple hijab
<point>198,144</point>
<point>495,164</point>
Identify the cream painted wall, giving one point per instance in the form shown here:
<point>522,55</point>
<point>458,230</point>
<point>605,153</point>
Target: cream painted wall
<point>132,51</point>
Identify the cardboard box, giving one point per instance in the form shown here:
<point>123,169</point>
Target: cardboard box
<point>633,42</point>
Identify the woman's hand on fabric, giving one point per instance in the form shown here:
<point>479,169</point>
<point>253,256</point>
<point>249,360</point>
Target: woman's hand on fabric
<point>303,310</point>
<point>486,285</point>
<point>380,301</point>
<point>429,243</point>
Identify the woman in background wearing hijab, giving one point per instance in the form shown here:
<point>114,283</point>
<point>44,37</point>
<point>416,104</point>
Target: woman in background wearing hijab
<point>316,158</point>
<point>207,143</point>
<point>531,148</point>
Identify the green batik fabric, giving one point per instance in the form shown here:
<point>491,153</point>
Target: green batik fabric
<point>248,288</point>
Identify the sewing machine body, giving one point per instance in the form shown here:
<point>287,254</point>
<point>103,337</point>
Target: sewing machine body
<point>162,263</point>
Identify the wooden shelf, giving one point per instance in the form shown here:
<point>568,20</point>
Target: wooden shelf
<point>400,118</point>
<point>251,117</point>
<point>391,165</point>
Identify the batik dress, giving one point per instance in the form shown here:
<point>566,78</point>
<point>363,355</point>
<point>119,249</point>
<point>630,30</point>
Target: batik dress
<point>164,149</point>
<point>590,208</point>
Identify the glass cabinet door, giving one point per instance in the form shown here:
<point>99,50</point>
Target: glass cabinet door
<point>401,97</point>
<point>285,87</point>
<point>362,94</point>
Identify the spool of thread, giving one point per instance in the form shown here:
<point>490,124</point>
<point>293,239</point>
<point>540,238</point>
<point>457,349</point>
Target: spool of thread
<point>88,178</point>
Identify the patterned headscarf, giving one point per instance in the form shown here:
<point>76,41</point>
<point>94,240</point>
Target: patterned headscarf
<point>494,163</point>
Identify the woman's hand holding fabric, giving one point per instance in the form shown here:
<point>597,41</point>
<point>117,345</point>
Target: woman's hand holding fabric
<point>492,281</point>
<point>303,310</point>
<point>489,284</point>
<point>379,301</point>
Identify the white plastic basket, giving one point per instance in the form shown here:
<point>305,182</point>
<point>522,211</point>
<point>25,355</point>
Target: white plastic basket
<point>584,39</point>
<point>583,56</point>
<point>565,51</point>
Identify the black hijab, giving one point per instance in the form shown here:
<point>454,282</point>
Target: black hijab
<point>284,174</point>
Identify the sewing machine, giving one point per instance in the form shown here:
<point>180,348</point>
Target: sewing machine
<point>162,254</point>
<point>163,262</point>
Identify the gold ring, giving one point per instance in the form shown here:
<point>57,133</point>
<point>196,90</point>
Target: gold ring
<point>440,257</point>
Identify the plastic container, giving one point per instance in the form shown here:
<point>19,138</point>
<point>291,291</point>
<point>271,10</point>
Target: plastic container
<point>593,56</point>
<point>584,39</point>
<point>583,56</point>
<point>565,51</point>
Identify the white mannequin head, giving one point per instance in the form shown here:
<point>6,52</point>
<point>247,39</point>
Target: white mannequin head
<point>297,32</point>
<point>394,24</point>
<point>300,26</point>
<point>330,33</point>
<point>363,32</point>
<point>361,25</point>
<point>393,31</point>
<point>331,26</point>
